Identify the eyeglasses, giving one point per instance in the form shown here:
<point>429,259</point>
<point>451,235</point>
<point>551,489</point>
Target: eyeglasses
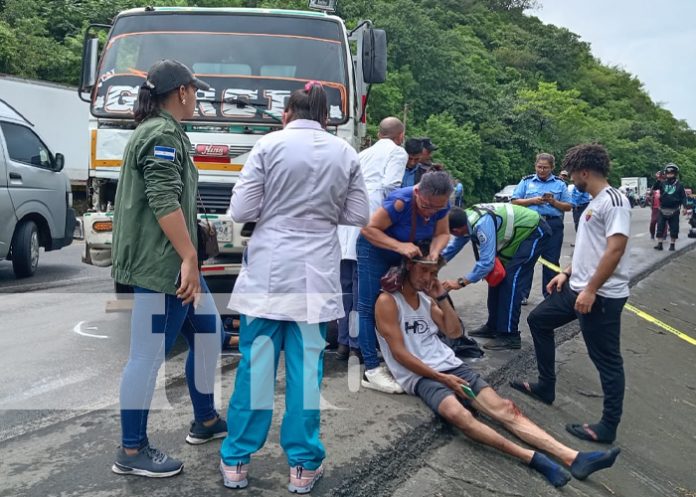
<point>428,207</point>
<point>543,168</point>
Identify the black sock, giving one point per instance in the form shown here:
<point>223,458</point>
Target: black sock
<point>552,471</point>
<point>587,463</point>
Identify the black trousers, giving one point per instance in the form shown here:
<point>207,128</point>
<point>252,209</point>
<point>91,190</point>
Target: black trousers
<point>601,329</point>
<point>577,212</point>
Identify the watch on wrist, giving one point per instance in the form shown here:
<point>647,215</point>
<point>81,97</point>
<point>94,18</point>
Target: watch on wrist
<point>566,273</point>
<point>461,282</point>
<point>442,297</point>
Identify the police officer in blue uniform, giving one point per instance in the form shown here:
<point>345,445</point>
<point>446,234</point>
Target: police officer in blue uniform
<point>548,195</point>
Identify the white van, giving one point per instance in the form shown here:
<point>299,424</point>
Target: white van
<point>35,197</point>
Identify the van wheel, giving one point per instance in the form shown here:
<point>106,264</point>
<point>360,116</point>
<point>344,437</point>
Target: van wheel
<point>25,249</point>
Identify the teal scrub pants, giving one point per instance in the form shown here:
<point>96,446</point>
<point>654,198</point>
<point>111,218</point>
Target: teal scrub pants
<point>251,406</point>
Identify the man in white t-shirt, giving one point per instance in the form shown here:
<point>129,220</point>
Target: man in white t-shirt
<point>595,293</point>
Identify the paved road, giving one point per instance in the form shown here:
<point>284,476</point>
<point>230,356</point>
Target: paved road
<point>60,390</point>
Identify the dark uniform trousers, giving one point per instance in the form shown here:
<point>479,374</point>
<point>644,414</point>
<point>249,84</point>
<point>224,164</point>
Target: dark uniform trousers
<point>601,331</point>
<point>552,250</point>
<point>504,300</point>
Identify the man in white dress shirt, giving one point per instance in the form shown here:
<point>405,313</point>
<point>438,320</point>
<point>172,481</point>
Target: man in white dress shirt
<point>383,166</point>
<point>384,163</point>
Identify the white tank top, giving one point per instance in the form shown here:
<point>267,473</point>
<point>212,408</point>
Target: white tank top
<point>419,332</point>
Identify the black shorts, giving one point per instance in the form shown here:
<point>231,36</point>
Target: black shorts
<point>672,222</point>
<point>433,392</point>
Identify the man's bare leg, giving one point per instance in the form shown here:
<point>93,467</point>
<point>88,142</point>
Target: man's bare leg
<point>506,412</point>
<point>454,412</point>
<point>581,464</point>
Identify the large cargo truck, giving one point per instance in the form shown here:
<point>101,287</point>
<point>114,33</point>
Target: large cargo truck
<point>252,59</point>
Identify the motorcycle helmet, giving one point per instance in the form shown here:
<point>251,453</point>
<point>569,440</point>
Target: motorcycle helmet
<point>672,168</point>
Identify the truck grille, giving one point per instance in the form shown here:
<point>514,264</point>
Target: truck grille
<point>216,198</point>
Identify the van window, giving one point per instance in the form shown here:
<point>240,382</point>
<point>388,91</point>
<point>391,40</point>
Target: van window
<point>24,146</point>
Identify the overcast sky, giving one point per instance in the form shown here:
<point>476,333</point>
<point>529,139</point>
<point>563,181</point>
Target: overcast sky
<point>653,39</point>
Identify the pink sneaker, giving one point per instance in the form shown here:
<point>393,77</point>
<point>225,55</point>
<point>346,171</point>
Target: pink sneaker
<point>302,480</point>
<point>234,476</point>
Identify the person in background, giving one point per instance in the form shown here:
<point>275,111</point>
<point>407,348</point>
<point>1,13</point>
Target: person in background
<point>654,202</point>
<point>408,322</point>
<point>289,286</point>
<point>407,217</point>
<point>154,251</point>
<point>384,163</point>
<point>593,290</point>
<point>458,194</point>
<point>514,234</point>
<point>672,198</point>
<point>580,201</point>
<point>428,149</point>
<point>549,197</point>
<point>414,149</point>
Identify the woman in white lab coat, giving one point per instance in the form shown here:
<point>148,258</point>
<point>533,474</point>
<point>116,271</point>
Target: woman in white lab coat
<point>298,184</point>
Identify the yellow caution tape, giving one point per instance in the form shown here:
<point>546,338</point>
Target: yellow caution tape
<point>634,310</point>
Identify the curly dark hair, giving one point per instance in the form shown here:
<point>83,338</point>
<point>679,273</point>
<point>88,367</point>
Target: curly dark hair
<point>587,157</point>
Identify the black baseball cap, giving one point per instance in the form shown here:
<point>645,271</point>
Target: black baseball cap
<point>428,145</point>
<point>413,146</point>
<point>167,75</point>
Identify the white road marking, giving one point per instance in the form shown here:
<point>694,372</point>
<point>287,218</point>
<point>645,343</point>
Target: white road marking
<point>78,329</point>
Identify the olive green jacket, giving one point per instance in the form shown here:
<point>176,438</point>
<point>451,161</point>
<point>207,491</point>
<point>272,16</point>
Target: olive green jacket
<point>157,178</point>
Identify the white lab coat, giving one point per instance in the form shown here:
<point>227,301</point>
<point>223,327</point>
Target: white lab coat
<point>299,183</point>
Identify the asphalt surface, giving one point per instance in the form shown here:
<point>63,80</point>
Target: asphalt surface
<point>59,423</point>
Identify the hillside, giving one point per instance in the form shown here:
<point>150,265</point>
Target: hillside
<point>491,85</point>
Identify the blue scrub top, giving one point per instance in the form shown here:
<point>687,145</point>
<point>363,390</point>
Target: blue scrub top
<point>401,221</point>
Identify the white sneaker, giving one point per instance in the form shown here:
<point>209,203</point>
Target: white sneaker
<point>381,379</point>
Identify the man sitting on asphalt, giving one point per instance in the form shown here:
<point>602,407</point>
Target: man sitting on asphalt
<point>514,234</point>
<point>408,323</point>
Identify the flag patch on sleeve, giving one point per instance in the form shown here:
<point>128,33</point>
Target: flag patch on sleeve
<point>167,153</point>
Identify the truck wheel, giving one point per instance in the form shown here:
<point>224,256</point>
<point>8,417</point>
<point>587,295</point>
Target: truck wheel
<point>123,291</point>
<point>25,249</point>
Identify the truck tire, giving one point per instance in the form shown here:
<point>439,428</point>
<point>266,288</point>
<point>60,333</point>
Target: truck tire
<point>25,249</point>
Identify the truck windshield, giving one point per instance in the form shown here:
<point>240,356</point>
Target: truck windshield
<point>247,58</point>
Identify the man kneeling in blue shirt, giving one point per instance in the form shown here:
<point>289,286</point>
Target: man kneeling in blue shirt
<point>515,235</point>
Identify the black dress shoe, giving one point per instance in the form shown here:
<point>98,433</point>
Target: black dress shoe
<point>505,342</point>
<point>483,332</point>
<point>342,352</point>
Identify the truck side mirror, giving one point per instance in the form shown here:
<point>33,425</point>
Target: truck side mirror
<point>374,56</point>
<point>90,52</point>
<point>58,162</point>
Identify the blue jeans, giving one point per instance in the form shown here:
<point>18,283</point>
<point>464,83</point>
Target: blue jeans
<point>373,262</point>
<point>349,287</point>
<point>156,321</point>
<point>251,406</point>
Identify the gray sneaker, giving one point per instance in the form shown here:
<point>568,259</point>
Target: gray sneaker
<point>200,434</point>
<point>148,462</point>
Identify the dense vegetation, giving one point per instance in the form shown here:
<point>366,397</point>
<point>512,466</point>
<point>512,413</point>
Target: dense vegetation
<point>491,85</point>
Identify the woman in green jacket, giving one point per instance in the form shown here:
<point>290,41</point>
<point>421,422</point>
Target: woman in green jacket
<point>154,251</point>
